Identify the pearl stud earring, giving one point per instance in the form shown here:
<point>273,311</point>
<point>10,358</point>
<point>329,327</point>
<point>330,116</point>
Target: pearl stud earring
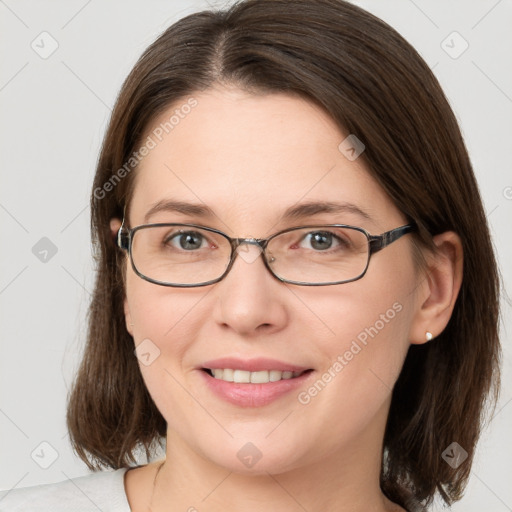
<point>429,335</point>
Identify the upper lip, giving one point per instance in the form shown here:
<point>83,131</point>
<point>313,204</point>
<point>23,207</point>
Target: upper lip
<point>252,365</point>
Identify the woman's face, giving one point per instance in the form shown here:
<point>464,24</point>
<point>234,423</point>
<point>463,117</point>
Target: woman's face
<point>248,159</point>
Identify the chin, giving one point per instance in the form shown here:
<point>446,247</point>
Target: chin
<point>254,458</point>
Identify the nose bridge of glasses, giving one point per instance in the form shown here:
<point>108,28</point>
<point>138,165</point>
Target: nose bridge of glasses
<point>242,248</point>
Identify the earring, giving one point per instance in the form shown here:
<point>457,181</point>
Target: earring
<point>429,336</point>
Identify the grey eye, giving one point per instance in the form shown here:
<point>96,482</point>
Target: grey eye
<point>322,240</point>
<point>189,240</point>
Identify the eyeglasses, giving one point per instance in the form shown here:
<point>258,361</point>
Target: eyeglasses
<point>188,255</point>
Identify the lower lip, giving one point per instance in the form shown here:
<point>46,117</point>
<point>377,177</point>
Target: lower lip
<point>253,395</point>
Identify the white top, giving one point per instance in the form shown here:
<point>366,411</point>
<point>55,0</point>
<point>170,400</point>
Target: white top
<point>102,490</point>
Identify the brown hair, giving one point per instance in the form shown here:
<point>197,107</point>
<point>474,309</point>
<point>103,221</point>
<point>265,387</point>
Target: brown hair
<point>374,85</point>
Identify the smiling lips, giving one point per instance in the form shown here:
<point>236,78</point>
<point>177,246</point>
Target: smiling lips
<point>256,371</point>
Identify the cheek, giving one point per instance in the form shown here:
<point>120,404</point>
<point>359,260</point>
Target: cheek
<point>165,326</point>
<point>367,333</point>
<point>362,359</point>
<point>366,324</point>
<point>172,319</point>
<point>157,311</point>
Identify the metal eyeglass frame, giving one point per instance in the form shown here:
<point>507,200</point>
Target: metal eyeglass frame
<point>375,243</point>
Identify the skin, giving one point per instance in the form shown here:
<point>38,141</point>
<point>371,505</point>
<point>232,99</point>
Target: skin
<point>249,157</point>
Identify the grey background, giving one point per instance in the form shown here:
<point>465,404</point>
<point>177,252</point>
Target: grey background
<point>54,113</point>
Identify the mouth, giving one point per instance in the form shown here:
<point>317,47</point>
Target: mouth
<point>253,382</point>
<point>238,376</point>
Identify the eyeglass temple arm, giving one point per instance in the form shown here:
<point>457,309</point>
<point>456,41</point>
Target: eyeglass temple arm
<point>378,242</point>
<point>123,237</point>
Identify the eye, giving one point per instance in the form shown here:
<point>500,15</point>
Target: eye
<point>188,240</point>
<point>324,240</point>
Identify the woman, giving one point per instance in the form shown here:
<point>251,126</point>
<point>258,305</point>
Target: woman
<point>296,288</point>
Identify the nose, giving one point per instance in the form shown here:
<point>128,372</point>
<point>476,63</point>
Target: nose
<point>249,300</point>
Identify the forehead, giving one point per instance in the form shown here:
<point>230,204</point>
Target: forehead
<point>249,157</point>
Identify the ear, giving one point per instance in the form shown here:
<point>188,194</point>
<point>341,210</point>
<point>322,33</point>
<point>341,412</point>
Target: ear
<point>439,288</point>
<point>115,224</point>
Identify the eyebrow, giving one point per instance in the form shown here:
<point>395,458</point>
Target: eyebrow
<point>295,212</point>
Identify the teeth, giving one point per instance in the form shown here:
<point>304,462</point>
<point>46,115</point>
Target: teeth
<point>227,375</point>
<point>259,377</point>
<point>274,375</point>
<point>245,377</point>
<point>240,376</point>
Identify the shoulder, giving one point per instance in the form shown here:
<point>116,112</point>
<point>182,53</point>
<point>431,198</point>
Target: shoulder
<point>102,490</point>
